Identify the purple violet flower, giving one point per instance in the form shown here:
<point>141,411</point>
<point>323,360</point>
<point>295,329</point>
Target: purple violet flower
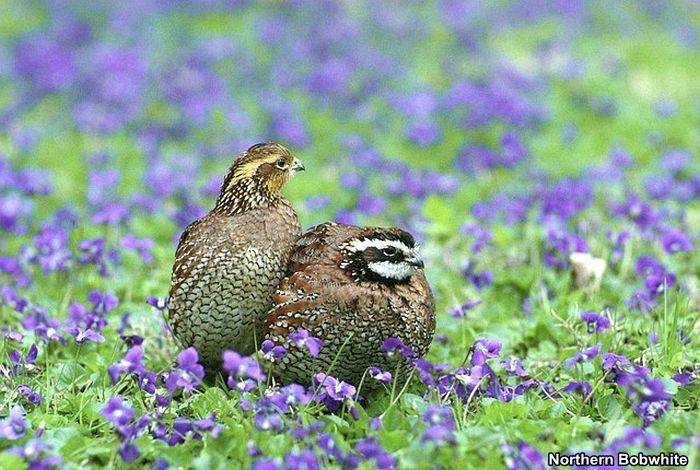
<point>522,456</point>
<point>584,355</point>
<point>32,396</point>
<point>461,311</point>
<point>302,339</point>
<point>142,246</point>
<point>379,375</point>
<point>584,388</point>
<point>684,378</point>
<point>369,449</point>
<point>159,303</point>
<point>674,241</point>
<point>513,366</point>
<point>394,346</point>
<point>441,426</point>
<point>243,371</point>
<point>332,392</point>
<point>595,322</point>
<point>641,301</point>
<point>82,336</point>
<point>15,426</point>
<point>131,362</point>
<point>117,413</point>
<point>484,349</point>
<point>271,351</point>
<point>36,454</point>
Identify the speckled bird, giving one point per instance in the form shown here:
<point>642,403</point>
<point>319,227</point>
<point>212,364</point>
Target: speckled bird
<point>352,287</point>
<point>229,263</point>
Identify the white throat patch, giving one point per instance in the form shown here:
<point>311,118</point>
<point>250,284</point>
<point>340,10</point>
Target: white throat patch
<point>389,270</point>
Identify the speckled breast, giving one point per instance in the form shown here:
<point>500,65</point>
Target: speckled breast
<point>224,304</point>
<point>222,286</point>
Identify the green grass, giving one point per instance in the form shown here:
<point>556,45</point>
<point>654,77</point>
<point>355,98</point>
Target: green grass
<point>73,379</point>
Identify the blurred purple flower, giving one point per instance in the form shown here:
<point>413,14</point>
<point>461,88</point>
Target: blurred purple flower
<point>613,361</point>
<point>441,425</point>
<point>674,241</point>
<point>187,361</point>
<point>482,236</point>
<point>595,322</point>
<point>566,198</point>
<point>15,210</point>
<point>266,421</point>
<point>640,212</point>
<point>513,366</point>
<point>676,160</point>
<point>369,449</point>
<point>484,349</point>
<point>103,302</point>
<point>584,355</point>
<point>523,456</point>
<point>142,246</point>
<point>641,301</point>
<point>111,214</point>
<point>245,369</point>
<point>371,205</point>
<point>117,412</point>
<point>84,335</point>
<point>15,426</point>
<point>561,244</point>
<point>684,378</point>
<point>290,396</point>
<point>317,202</point>
<point>271,351</point>
<point>159,303</point>
<point>394,346</point>
<point>584,388</point>
<point>44,63</point>
<point>657,284</point>
<point>379,375</point>
<point>49,251</point>
<point>653,337</point>
<point>130,363</point>
<point>36,453</point>
<point>11,298</point>
<point>302,339</point>
<point>332,392</point>
<point>424,132</point>
<point>42,325</point>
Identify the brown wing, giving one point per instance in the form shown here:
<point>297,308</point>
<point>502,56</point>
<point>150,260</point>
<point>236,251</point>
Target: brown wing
<point>295,297</point>
<point>317,245</point>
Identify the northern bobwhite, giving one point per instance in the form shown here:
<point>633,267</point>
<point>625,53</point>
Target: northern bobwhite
<point>229,263</point>
<point>352,287</point>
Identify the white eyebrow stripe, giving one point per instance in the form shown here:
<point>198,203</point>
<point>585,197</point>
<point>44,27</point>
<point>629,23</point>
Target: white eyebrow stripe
<point>361,245</point>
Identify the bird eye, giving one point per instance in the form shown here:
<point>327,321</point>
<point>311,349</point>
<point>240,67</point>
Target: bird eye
<point>390,251</point>
<point>281,164</point>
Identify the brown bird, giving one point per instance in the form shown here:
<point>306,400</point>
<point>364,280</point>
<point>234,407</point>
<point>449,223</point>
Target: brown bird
<point>353,288</point>
<point>229,263</point>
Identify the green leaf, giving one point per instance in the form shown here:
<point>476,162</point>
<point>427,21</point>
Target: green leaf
<point>11,462</point>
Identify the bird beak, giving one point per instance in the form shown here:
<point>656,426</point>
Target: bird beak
<point>298,166</point>
<point>416,260</point>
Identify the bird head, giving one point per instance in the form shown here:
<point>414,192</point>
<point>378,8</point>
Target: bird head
<point>260,173</point>
<point>387,255</point>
